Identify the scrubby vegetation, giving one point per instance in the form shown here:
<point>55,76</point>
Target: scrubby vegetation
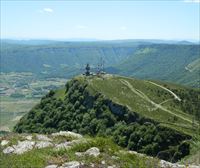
<point>88,112</point>
<point>190,101</point>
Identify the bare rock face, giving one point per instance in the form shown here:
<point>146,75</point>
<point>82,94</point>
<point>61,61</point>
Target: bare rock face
<point>4,142</point>
<point>67,134</point>
<point>94,151</point>
<point>43,144</point>
<point>8,150</point>
<point>72,164</point>
<point>23,146</point>
<point>43,138</point>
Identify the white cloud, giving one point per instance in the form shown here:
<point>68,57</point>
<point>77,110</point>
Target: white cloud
<point>123,28</point>
<point>192,1</point>
<point>46,10</point>
<point>81,27</point>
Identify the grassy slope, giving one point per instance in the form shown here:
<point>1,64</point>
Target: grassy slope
<point>114,88</point>
<point>120,90</point>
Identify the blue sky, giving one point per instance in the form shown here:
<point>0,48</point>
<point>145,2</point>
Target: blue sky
<point>101,19</point>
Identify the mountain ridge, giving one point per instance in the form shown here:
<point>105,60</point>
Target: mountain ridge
<point>130,110</point>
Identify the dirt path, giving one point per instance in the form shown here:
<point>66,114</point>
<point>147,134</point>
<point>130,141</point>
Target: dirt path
<point>175,96</point>
<point>145,97</point>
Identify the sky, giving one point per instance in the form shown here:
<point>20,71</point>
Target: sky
<point>103,20</point>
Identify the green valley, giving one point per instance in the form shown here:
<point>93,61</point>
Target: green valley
<point>144,59</point>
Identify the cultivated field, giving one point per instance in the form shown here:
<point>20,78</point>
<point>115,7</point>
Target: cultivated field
<point>19,93</point>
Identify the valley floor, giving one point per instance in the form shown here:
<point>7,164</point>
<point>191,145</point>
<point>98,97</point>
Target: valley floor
<point>19,93</point>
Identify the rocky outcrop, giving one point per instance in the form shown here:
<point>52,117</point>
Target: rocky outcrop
<point>23,146</point>
<point>165,164</point>
<point>67,134</point>
<point>8,150</point>
<point>43,138</point>
<point>20,148</point>
<point>42,141</point>
<point>43,144</point>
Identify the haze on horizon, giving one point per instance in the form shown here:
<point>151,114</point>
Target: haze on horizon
<point>100,20</point>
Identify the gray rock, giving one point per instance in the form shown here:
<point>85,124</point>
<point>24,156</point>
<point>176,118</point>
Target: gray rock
<point>67,134</point>
<point>136,153</point>
<point>113,166</point>
<point>165,164</point>
<point>65,145</point>
<point>103,162</point>
<point>29,137</point>
<point>4,142</point>
<point>194,166</point>
<point>94,151</point>
<point>72,164</point>
<point>92,165</point>
<point>43,138</point>
<point>79,154</point>
<point>43,144</point>
<point>23,146</point>
<point>8,150</point>
<point>51,166</point>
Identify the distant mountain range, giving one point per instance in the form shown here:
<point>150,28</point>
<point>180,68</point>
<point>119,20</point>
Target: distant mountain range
<point>168,62</point>
<point>173,61</point>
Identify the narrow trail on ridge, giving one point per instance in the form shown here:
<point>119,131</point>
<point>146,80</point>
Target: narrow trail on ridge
<point>175,96</point>
<point>145,97</point>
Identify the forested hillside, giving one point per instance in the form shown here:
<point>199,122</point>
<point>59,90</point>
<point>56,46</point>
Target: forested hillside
<point>175,63</point>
